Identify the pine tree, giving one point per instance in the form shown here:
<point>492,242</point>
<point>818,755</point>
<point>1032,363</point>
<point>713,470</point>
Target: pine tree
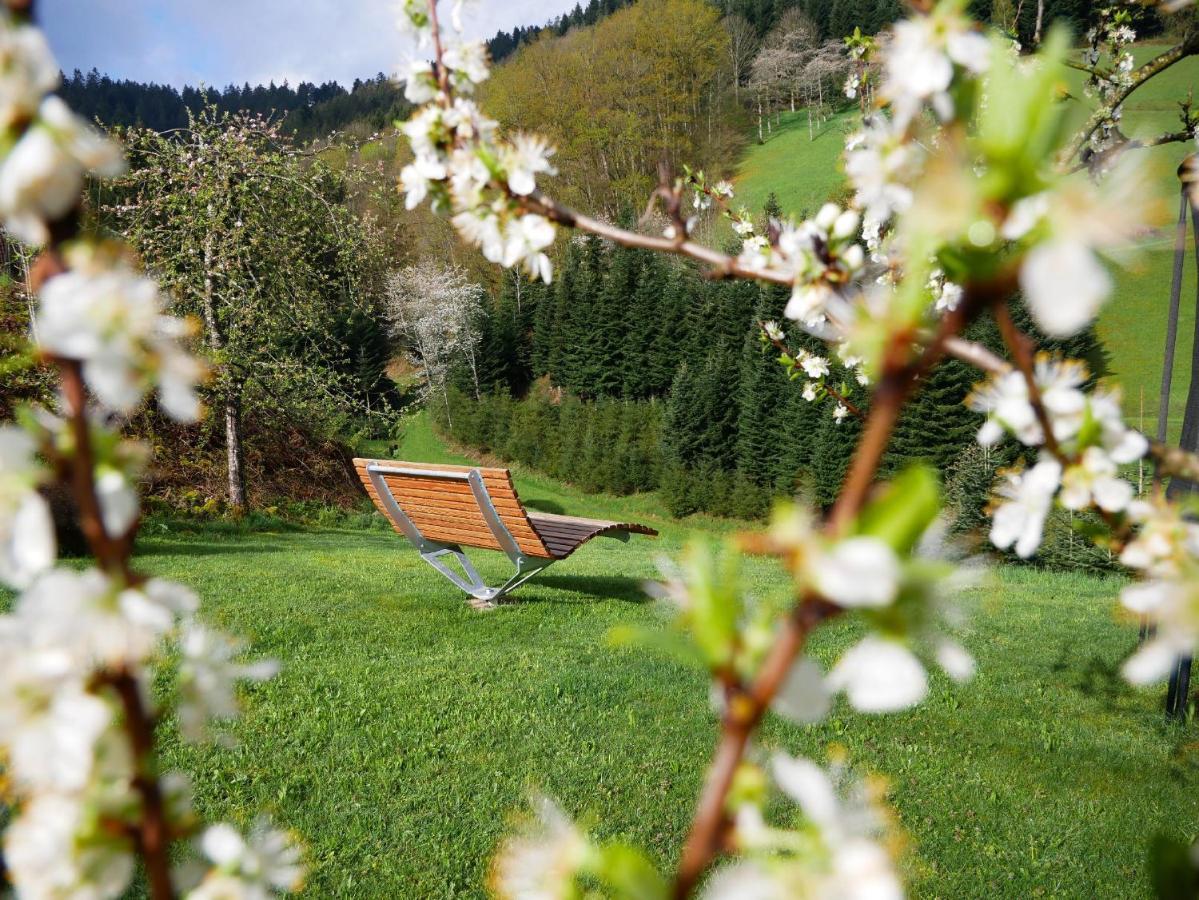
<point>764,384</point>
<point>643,312</point>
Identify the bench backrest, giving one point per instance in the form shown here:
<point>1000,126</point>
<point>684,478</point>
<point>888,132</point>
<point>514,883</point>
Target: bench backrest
<point>449,504</point>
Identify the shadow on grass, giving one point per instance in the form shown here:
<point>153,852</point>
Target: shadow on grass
<point>545,506</point>
<point>599,587</point>
<point>177,547</point>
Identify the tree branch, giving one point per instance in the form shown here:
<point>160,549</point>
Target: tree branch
<point>1187,47</point>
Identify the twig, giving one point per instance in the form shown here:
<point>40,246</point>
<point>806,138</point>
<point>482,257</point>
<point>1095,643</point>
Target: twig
<point>153,831</point>
<point>1020,347</point>
<point>747,706</point>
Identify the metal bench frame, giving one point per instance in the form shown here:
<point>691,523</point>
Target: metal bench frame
<point>434,552</point>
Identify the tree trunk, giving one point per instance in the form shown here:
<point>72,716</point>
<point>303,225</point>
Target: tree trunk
<point>234,457</point>
<point>233,453</point>
<point>1036,35</point>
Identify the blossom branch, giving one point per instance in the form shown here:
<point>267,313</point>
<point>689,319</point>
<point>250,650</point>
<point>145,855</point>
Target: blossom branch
<point>1189,46</point>
<point>722,265</point>
<point>746,707</point>
<point>153,831</point>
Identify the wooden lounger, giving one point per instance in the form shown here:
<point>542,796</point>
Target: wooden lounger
<point>442,509</point>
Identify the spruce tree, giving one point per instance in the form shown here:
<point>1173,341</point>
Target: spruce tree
<point>643,322</point>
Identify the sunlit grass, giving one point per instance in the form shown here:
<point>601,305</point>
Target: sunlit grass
<point>406,729</point>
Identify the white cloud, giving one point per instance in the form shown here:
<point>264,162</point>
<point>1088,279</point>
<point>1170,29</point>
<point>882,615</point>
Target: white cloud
<point>223,41</point>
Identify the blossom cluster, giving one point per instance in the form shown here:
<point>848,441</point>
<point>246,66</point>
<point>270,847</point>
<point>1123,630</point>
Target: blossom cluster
<point>842,847</point>
<point>1090,440</point>
<point>1109,41</point>
<point>842,844</point>
<point>462,166</point>
<point>78,648</point>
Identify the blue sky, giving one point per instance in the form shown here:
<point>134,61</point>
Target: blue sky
<point>222,41</point>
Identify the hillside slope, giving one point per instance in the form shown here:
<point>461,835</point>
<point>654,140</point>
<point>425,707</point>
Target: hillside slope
<point>804,173</point>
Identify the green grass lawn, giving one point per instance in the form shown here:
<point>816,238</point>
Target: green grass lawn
<point>805,173</point>
<point>406,729</point>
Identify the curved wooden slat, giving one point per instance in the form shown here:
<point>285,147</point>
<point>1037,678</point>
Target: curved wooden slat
<point>563,535</point>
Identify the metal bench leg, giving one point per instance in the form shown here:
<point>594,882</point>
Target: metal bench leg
<point>482,596</point>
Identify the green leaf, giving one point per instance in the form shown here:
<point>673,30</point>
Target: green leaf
<point>712,581</point>
<point>665,640</point>
<point>1170,869</point>
<point>628,873</point>
<point>904,509</point>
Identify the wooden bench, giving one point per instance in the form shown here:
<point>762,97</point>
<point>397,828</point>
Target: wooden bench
<point>442,508</point>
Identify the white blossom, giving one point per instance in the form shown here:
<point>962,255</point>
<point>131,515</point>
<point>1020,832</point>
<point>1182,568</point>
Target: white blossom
<point>111,319</point>
<point>955,660</point>
<point>1094,479</point>
<point>857,572</point>
<point>49,724</point>
<point>42,176</point>
<point>208,677</point>
<point>525,239</point>
<point>880,166</point>
<point>1065,285</point>
<point>920,61</point>
<point>119,505</point>
<point>28,71</point>
<point>808,302</point>
<point>540,864</point>
<point>253,869</point>
<point>803,696</point>
<point>27,543</point>
<point>879,675</point>
<point>1004,398</point>
<point>814,366</point>
<point>420,85</point>
<point>47,859</point>
<point>1019,520</point>
<point>102,624</point>
<point>858,866</point>
<point>525,158</point>
<point>469,59</point>
<point>1173,607</point>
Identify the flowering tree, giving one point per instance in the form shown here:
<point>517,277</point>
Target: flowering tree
<point>251,237</point>
<point>434,309</point>
<point>961,195</point>
<point>78,653</point>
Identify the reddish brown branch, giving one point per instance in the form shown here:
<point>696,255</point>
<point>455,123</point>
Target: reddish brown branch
<point>1020,346</point>
<point>746,707</point>
<point>153,831</point>
<point>709,829</point>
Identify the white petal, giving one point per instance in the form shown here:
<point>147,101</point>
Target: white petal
<point>1112,494</point>
<point>1153,662</point>
<point>953,658</point>
<point>31,547</point>
<point>808,785</point>
<point>223,844</point>
<point>803,697</point>
<point>858,572</point>
<point>1145,597</point>
<point>878,675</point>
<point>1064,284</point>
<point>118,502</point>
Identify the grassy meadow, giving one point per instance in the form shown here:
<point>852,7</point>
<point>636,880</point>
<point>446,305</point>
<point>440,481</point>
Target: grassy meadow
<point>406,729</point>
<point>804,173</point>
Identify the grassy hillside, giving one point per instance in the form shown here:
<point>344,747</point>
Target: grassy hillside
<point>804,173</point>
<point>406,729</point>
